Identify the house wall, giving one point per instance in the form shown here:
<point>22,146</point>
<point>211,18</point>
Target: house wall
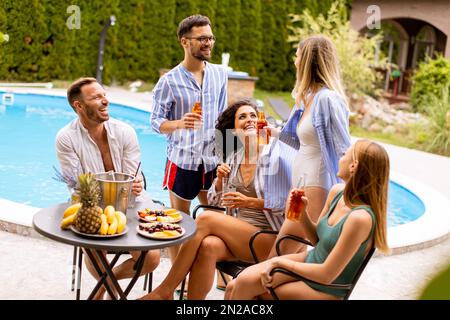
<point>436,13</point>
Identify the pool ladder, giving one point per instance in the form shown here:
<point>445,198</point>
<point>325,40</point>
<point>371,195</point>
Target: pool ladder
<point>8,99</point>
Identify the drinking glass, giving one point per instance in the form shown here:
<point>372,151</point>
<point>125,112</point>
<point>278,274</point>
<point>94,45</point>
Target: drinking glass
<point>227,186</point>
<point>297,205</point>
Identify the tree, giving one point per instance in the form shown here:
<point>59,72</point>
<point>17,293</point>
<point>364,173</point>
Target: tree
<point>250,41</point>
<point>125,42</point>
<point>26,37</point>
<point>227,29</point>
<point>113,43</point>
<point>277,72</point>
<point>59,41</point>
<point>162,36</point>
<point>3,25</point>
<point>208,8</point>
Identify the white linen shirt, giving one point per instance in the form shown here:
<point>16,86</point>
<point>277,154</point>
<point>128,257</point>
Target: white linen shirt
<point>78,153</point>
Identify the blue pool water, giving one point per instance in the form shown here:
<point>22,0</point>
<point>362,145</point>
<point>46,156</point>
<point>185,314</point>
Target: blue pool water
<point>27,141</point>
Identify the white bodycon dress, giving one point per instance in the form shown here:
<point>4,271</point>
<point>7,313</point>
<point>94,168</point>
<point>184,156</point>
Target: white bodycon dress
<point>309,158</point>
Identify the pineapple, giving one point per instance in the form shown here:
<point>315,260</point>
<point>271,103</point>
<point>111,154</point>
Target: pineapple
<point>88,218</point>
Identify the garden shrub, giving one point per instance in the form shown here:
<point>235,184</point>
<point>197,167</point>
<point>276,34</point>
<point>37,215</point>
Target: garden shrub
<point>438,107</point>
<point>430,79</point>
<point>143,40</point>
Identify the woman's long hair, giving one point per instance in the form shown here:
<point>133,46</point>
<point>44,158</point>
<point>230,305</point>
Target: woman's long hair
<point>368,185</point>
<point>226,142</point>
<point>318,66</point>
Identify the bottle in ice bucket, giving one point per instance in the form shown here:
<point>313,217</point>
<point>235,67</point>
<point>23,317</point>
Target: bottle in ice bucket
<point>197,108</point>
<point>74,196</point>
<point>263,134</point>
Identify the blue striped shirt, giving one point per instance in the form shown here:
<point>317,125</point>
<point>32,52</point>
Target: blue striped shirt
<point>330,118</point>
<point>174,95</point>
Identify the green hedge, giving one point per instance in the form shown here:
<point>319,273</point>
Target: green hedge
<point>43,48</point>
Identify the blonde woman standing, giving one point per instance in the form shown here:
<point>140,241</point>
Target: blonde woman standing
<point>317,130</point>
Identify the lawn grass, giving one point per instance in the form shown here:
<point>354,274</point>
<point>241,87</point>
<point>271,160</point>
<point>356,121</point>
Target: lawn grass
<point>390,138</point>
<point>265,95</point>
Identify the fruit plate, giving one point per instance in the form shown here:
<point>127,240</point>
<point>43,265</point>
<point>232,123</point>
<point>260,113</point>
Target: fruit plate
<point>159,235</point>
<point>148,215</point>
<point>98,236</point>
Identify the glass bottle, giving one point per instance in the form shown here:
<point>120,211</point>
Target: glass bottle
<point>197,108</point>
<point>263,134</point>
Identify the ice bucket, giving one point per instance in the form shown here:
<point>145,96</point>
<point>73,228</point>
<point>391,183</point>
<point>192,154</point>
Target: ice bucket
<point>115,189</point>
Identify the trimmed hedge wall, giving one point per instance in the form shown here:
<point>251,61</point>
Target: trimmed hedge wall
<point>43,48</point>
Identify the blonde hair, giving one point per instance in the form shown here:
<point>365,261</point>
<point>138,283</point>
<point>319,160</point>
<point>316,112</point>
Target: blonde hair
<point>368,185</point>
<point>319,66</point>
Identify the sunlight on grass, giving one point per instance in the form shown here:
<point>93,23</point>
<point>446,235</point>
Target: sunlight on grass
<point>265,95</point>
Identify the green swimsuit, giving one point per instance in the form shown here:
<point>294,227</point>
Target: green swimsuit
<point>328,237</point>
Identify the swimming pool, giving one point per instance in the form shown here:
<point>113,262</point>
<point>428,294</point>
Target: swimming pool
<point>27,138</point>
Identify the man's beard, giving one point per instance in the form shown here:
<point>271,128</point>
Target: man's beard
<point>92,115</point>
<point>200,56</point>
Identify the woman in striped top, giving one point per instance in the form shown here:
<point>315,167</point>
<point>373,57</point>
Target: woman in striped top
<point>222,237</point>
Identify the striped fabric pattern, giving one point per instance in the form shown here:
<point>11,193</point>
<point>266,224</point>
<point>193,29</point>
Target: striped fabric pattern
<point>174,95</point>
<point>274,217</point>
<point>330,118</point>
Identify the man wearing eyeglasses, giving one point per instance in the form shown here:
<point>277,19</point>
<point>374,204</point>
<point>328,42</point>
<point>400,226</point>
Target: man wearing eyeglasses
<point>191,161</point>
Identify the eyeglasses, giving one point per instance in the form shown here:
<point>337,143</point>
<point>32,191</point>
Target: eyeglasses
<point>203,40</point>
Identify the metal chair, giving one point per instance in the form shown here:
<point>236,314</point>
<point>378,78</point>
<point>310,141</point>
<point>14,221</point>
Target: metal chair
<point>78,260</point>
<point>348,287</point>
<point>232,268</point>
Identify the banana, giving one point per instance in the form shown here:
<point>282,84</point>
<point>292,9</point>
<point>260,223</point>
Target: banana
<point>171,233</point>
<point>121,221</point>
<point>71,210</point>
<point>109,212</point>
<point>170,212</point>
<point>67,221</point>
<point>112,229</point>
<point>104,226</point>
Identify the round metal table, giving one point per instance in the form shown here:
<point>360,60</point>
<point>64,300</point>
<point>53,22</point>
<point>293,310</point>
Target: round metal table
<point>47,222</point>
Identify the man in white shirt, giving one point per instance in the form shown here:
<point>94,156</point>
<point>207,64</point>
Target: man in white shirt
<point>95,143</point>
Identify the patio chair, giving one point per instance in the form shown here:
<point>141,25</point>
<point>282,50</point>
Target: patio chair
<point>232,268</point>
<point>348,287</point>
<point>78,260</point>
